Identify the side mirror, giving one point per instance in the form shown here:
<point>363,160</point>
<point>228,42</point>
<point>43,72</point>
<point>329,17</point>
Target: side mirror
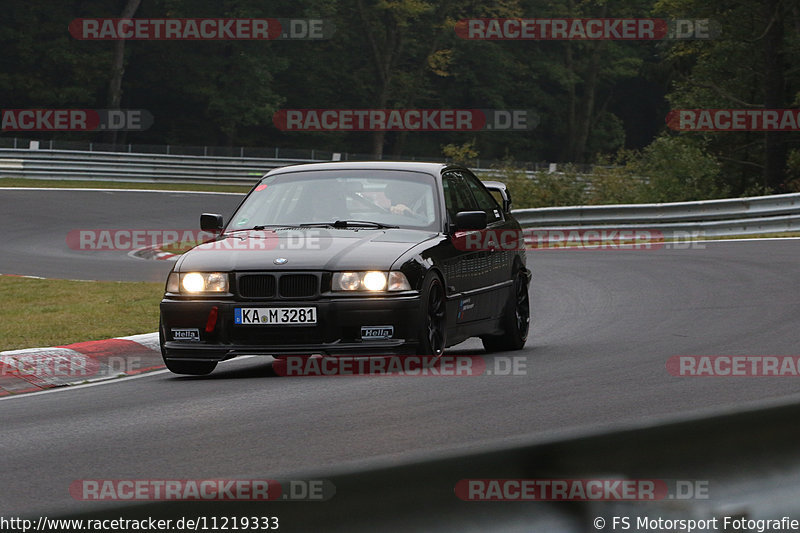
<point>471,220</point>
<point>507,201</point>
<point>211,222</point>
<point>499,189</point>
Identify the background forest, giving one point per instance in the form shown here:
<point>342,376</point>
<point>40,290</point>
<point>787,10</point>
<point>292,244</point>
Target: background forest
<point>600,103</point>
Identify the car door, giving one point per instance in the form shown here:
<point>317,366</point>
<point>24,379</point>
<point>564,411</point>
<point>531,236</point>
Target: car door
<point>467,269</point>
<point>501,232</point>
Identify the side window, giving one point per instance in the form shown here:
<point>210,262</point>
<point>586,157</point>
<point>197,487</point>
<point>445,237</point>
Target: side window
<point>486,201</point>
<point>456,195</point>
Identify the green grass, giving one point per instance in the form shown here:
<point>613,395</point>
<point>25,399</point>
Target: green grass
<point>88,184</point>
<point>179,248</point>
<point>55,312</point>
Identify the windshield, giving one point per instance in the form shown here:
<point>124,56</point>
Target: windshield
<point>387,197</point>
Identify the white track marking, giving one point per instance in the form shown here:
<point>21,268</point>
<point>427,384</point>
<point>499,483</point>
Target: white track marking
<point>106,381</point>
<point>86,385</point>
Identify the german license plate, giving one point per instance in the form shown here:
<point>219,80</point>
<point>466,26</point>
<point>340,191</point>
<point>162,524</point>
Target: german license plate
<point>275,316</point>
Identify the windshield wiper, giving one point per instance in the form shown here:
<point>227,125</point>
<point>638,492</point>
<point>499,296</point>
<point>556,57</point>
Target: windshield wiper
<point>361,224</point>
<point>337,224</point>
<point>315,225</point>
<point>262,227</point>
<point>254,228</point>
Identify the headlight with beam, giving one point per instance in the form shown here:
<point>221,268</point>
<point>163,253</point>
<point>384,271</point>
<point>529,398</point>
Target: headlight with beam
<point>371,281</point>
<point>197,283</point>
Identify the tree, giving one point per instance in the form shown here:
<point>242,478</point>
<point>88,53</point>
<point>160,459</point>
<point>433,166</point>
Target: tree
<point>118,67</point>
<point>745,67</point>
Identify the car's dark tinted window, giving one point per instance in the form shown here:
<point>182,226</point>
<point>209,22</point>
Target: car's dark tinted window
<point>484,198</point>
<point>456,194</point>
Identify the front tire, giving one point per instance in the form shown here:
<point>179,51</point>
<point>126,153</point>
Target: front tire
<point>192,368</point>
<point>433,328</point>
<point>517,318</point>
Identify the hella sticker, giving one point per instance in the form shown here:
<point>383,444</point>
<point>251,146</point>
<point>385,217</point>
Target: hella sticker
<point>376,332</point>
<point>185,334</point>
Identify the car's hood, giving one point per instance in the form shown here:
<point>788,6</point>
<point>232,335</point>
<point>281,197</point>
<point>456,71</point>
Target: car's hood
<point>307,249</point>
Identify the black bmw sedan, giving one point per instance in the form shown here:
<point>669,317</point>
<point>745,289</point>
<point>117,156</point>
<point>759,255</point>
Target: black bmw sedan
<point>346,258</point>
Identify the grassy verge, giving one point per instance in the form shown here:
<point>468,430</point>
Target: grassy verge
<point>179,248</point>
<point>56,312</point>
<point>88,184</point>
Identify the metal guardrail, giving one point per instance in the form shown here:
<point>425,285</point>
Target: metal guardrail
<point>258,152</point>
<point>114,166</point>
<point>737,216</point>
<point>154,167</point>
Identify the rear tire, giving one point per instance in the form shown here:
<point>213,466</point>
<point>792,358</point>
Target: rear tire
<point>516,321</point>
<point>433,325</point>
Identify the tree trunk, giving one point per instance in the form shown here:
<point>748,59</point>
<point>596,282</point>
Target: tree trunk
<point>774,145</point>
<point>566,152</point>
<point>586,114</point>
<point>118,68</point>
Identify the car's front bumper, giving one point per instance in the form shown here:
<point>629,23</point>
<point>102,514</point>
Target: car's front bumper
<point>337,332</point>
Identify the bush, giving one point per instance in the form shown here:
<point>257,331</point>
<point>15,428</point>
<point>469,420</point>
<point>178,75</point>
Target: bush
<point>671,169</point>
<point>615,181</point>
<point>464,154</point>
<point>793,171</point>
<point>544,189</point>
<point>678,170</point>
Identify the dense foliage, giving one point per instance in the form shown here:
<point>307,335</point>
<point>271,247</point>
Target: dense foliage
<point>598,102</point>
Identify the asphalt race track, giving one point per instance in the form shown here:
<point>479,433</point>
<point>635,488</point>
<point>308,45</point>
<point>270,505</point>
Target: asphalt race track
<point>36,223</point>
<point>605,323</point>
